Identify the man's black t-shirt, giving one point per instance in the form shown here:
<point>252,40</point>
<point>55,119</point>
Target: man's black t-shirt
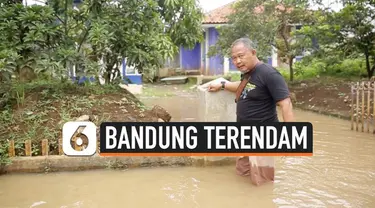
<point>266,86</point>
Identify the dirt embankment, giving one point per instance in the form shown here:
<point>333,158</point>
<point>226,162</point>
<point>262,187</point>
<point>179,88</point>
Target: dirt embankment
<point>328,96</point>
<point>38,111</point>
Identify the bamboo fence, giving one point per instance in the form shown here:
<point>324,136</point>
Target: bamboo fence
<point>44,148</point>
<point>363,106</point>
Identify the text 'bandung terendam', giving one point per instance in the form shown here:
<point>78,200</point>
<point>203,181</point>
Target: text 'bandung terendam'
<point>212,137</point>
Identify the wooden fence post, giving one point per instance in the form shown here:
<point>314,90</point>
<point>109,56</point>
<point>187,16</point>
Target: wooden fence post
<point>352,108</point>
<point>98,147</point>
<point>28,147</point>
<point>368,107</point>
<point>61,152</point>
<point>45,147</point>
<point>357,107</point>
<point>363,107</point>
<point>373,108</point>
<point>11,150</point>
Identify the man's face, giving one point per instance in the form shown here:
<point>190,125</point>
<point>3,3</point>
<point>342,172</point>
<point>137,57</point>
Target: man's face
<point>242,57</point>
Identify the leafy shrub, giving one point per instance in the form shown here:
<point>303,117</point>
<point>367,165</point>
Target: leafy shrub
<point>302,71</point>
<point>348,68</point>
<point>309,68</point>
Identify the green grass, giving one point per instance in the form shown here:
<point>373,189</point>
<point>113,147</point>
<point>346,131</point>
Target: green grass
<point>37,110</point>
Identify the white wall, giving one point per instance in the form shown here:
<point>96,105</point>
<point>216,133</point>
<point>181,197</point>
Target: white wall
<point>274,57</point>
<point>32,2</point>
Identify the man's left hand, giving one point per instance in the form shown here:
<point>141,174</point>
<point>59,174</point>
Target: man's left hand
<point>214,87</point>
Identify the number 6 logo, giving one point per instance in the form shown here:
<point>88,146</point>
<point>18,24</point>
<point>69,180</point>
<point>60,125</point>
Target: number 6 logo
<point>79,138</point>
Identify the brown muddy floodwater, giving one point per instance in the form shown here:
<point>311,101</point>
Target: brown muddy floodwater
<point>340,174</point>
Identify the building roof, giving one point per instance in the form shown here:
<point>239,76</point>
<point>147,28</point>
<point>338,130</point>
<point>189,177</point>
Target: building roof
<point>219,15</point>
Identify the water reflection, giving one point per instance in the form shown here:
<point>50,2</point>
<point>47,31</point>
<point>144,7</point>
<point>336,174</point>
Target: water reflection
<point>339,173</point>
<point>184,191</point>
<point>341,156</point>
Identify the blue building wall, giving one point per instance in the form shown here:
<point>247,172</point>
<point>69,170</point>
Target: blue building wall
<point>216,63</point>
<point>191,59</point>
<point>194,59</point>
<point>130,78</point>
<point>203,55</point>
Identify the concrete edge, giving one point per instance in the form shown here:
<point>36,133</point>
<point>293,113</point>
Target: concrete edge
<point>61,163</point>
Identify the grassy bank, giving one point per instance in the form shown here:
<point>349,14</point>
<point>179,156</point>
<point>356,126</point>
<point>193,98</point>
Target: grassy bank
<point>37,110</point>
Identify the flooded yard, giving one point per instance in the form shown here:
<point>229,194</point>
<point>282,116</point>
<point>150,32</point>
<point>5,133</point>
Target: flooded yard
<point>340,174</point>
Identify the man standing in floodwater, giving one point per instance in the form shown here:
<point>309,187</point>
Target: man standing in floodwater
<point>261,89</point>
<point>265,89</point>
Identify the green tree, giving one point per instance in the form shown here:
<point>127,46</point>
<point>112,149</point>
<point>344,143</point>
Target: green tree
<point>182,20</point>
<point>244,22</point>
<point>350,30</point>
<point>145,32</point>
<point>97,34</point>
<point>28,34</point>
<point>267,24</point>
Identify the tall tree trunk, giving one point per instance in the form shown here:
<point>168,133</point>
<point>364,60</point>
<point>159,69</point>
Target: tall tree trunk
<point>108,77</point>
<point>371,72</point>
<point>368,67</point>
